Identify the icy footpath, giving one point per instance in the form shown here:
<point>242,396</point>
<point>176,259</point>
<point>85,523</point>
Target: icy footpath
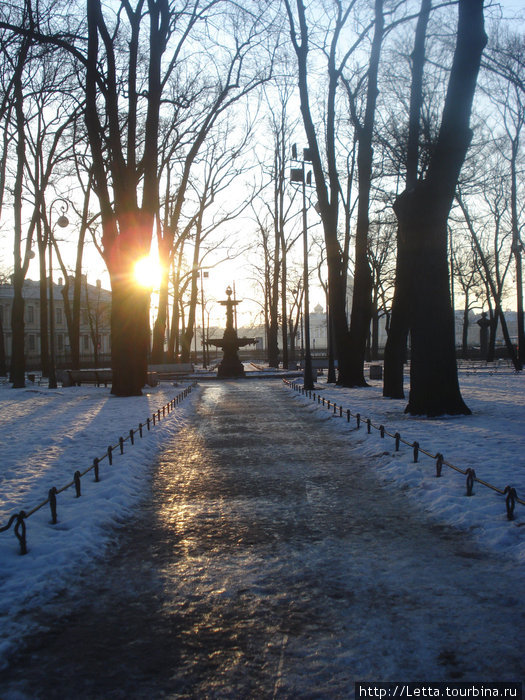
<point>491,441</point>
<point>45,436</point>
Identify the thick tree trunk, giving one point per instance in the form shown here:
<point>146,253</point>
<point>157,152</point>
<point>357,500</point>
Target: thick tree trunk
<point>396,344</point>
<point>3,366</point>
<point>18,360</point>
<point>434,387</point>
<point>129,336</point>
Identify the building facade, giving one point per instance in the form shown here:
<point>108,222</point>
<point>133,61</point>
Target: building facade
<point>95,314</point>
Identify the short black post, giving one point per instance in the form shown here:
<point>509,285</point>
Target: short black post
<point>368,425</point>
<point>121,444</point>
<point>416,451</point>
<point>20,531</point>
<point>110,454</point>
<point>439,464</point>
<point>398,440</point>
<point>52,496</point>
<point>95,467</point>
<point>140,429</point>
<point>471,475</point>
<point>510,501</point>
<point>76,478</point>
<point>132,436</point>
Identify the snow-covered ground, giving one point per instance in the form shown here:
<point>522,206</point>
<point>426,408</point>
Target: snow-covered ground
<point>47,435</point>
<point>491,441</point>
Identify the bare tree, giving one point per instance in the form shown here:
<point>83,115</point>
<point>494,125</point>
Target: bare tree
<point>422,215</point>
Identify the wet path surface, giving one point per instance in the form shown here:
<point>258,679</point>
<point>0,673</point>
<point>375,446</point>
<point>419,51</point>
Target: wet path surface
<point>268,564</point>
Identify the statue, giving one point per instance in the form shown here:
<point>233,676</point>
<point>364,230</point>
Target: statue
<point>230,365</point>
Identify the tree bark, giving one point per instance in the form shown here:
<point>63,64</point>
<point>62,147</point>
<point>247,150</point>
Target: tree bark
<point>396,344</point>
<point>422,217</point>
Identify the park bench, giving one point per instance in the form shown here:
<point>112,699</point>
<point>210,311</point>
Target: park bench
<point>173,370</point>
<point>77,377</point>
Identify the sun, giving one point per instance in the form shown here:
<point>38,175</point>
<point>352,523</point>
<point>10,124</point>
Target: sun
<point>147,272</point>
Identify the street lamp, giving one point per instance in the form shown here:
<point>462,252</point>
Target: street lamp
<point>204,364</point>
<point>62,221</point>
<point>298,175</point>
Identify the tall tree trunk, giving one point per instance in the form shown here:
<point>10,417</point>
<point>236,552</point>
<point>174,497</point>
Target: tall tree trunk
<point>396,344</point>
<point>159,327</point>
<point>434,387</point>
<point>362,295</point>
<point>129,335</point>
<point>3,365</point>
<point>17,313</point>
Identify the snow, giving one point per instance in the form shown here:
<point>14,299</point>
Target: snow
<point>45,436</point>
<point>48,434</point>
<point>491,441</point>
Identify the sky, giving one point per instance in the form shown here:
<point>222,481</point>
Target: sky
<point>236,272</point>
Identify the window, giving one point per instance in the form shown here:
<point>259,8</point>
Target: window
<point>59,315</point>
<point>86,342</point>
<point>30,314</point>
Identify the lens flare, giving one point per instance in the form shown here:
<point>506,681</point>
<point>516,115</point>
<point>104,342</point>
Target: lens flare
<point>147,272</point>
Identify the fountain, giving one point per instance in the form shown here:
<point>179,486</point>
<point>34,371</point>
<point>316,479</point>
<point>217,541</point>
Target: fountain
<point>230,365</point>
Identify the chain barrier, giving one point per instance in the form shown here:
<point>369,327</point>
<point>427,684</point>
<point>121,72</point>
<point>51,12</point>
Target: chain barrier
<point>509,491</point>
<point>19,518</point>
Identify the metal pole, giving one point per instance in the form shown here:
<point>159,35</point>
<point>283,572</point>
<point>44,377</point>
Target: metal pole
<point>52,369</point>
<point>308,376</point>
<point>204,365</point>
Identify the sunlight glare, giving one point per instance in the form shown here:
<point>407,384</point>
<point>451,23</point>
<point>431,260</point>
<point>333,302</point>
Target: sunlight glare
<point>148,271</point>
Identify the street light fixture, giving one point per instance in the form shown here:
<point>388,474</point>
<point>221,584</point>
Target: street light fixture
<point>204,274</point>
<point>62,221</point>
<point>299,175</point>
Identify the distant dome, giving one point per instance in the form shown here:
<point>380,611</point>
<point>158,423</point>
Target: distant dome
<point>318,309</point>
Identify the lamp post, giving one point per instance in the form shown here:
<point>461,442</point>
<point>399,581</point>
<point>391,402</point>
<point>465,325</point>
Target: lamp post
<point>298,175</point>
<point>204,363</point>
<point>62,221</point>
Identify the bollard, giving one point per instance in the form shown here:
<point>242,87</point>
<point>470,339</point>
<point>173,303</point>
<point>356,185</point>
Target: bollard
<point>158,415</point>
<point>76,479</point>
<point>110,454</point>
<point>153,417</point>
<point>471,475</point>
<point>368,425</point>
<point>382,430</point>
<point>439,464</point>
<point>20,531</point>
<point>52,496</point>
<point>415,445</point>
<point>121,445</point>
<point>348,416</point>
<point>140,429</point>
<point>510,501</point>
<point>95,467</point>
<point>132,436</point>
<point>163,411</point>
<point>398,440</point>
<point>147,422</point>
<point>340,411</point>
<point>335,408</point>
<point>358,420</point>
